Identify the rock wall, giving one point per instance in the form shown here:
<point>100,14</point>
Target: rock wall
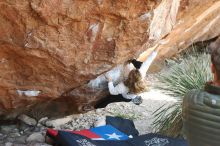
<point>50,47</point>
<point>197,21</point>
<point>50,50</point>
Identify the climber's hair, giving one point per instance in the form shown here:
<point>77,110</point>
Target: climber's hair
<point>215,57</point>
<point>135,82</point>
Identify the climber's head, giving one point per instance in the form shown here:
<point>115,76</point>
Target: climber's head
<point>135,82</point>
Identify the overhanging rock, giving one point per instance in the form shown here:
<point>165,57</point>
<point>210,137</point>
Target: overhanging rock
<point>50,50</point>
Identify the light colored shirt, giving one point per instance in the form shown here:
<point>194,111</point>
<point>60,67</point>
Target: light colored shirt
<point>124,90</point>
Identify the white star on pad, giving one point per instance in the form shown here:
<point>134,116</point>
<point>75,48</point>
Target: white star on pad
<point>114,136</point>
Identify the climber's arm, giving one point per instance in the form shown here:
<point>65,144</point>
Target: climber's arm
<point>146,64</point>
<point>113,90</point>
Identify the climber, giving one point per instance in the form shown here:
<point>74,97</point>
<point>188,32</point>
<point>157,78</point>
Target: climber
<point>130,89</point>
<point>201,112</point>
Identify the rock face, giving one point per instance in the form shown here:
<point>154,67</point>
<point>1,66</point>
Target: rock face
<point>52,49</point>
<point>197,21</point>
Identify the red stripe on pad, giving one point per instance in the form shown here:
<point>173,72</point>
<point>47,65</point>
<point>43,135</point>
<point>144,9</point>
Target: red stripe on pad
<point>52,132</point>
<point>86,133</point>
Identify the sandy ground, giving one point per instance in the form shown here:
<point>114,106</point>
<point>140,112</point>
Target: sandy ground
<point>142,115</point>
<point>152,101</point>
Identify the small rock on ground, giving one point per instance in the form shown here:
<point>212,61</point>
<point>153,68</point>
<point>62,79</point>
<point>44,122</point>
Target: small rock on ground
<point>27,120</point>
<point>36,137</point>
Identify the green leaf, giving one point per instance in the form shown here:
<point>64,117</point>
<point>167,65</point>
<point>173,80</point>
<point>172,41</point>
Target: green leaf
<point>190,71</point>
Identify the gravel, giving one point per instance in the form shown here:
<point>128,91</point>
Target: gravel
<point>33,134</point>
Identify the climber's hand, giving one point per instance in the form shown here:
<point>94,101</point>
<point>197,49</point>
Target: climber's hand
<point>108,78</point>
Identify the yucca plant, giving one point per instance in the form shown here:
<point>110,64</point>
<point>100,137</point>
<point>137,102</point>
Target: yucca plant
<point>189,72</point>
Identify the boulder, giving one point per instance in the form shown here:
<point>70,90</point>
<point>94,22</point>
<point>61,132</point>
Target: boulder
<point>50,50</point>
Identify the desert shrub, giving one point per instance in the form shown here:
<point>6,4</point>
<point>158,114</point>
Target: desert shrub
<point>190,71</point>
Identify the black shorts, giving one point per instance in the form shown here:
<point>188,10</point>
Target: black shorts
<point>110,99</point>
